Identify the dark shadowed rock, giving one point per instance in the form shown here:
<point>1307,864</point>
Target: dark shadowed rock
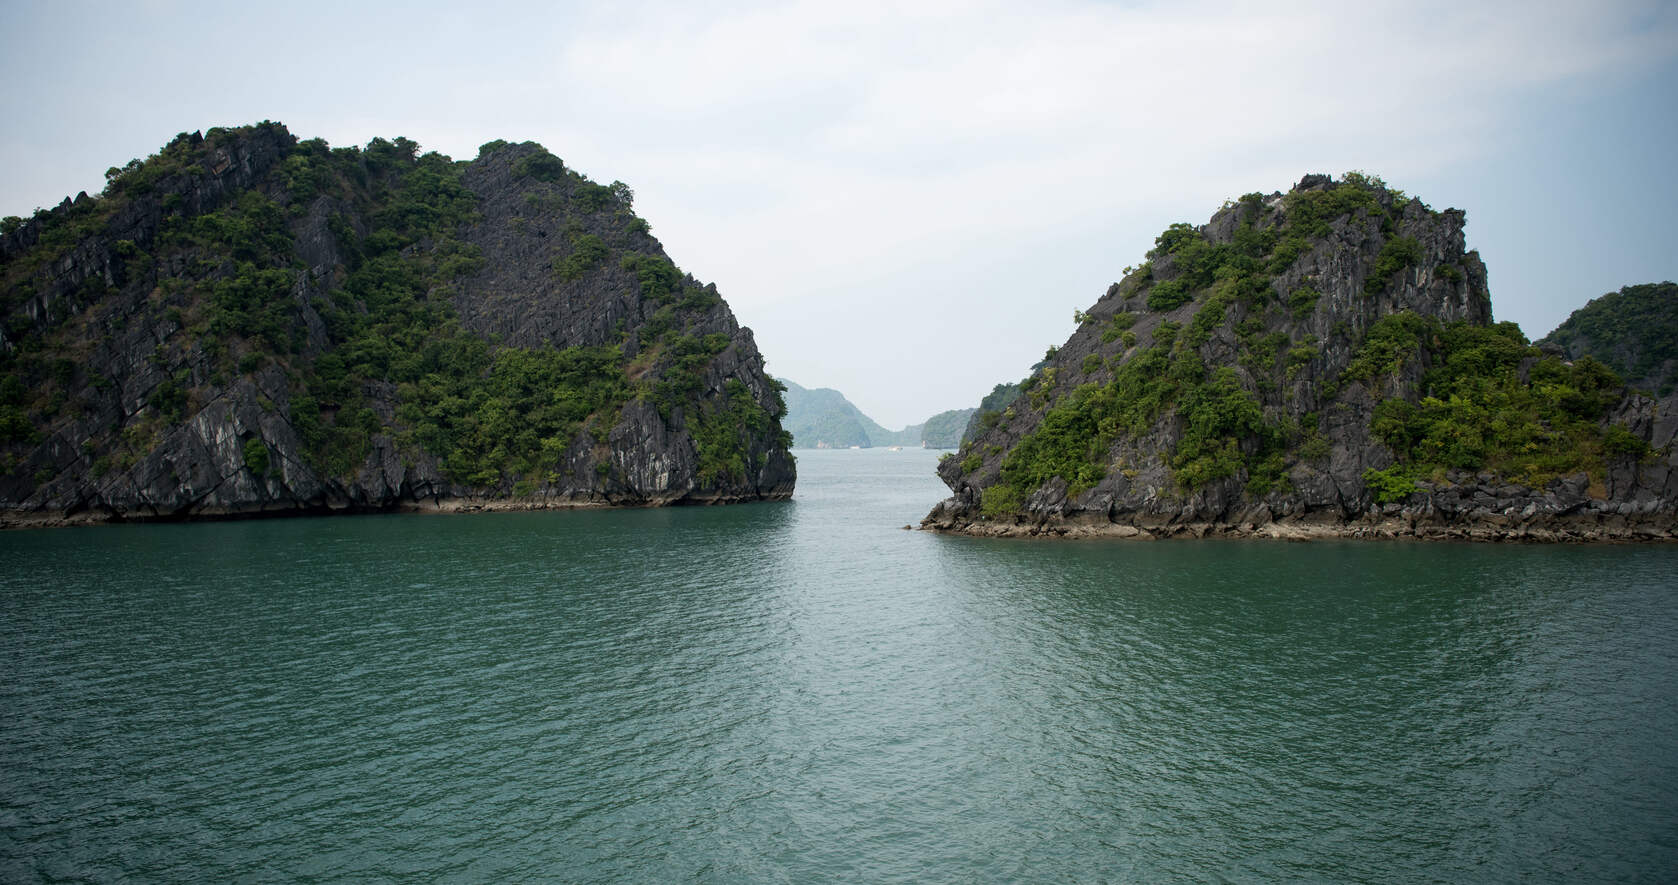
<point>247,324</point>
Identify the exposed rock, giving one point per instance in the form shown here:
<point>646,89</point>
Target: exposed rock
<point>1234,385</point>
<point>141,381</point>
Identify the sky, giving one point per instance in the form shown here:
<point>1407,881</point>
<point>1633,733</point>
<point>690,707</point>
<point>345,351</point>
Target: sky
<point>909,204</point>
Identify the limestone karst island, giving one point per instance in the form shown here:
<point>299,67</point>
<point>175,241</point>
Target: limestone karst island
<point>246,323</point>
<point>1325,362</point>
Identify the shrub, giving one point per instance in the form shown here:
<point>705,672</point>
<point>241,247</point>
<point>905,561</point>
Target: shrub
<point>1168,295</point>
<point>1216,416</point>
<point>1397,254</point>
<point>591,197</point>
<point>1117,326</point>
<point>721,432</point>
<point>1303,300</point>
<point>1619,443</point>
<point>256,456</point>
<point>15,425</point>
<point>659,278</point>
<point>1311,213</point>
<point>1476,412</point>
<point>1300,356</point>
<point>1207,318</point>
<point>587,251</point>
<point>540,165</point>
<point>1390,486</point>
<point>1070,442</point>
<point>1390,341</point>
<point>1000,500</point>
<point>169,399</point>
<point>1173,238</point>
<point>1287,251</point>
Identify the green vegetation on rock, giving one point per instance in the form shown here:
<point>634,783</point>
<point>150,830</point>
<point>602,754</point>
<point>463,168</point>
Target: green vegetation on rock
<point>1633,331</point>
<point>329,281</point>
<point>1258,385</point>
<point>1474,410</point>
<point>989,411</point>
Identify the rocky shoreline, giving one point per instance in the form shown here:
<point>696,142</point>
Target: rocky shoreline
<point>1462,507</point>
<point>1382,529</point>
<point>18,520</point>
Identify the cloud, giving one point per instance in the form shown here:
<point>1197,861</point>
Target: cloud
<point>803,153</point>
<point>869,176</point>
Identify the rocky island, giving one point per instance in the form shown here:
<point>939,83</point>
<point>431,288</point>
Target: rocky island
<point>822,418</point>
<point>250,324</point>
<point>1320,362</point>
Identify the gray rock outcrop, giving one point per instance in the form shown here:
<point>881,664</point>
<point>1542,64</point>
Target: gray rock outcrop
<point>1282,329</point>
<point>130,394</point>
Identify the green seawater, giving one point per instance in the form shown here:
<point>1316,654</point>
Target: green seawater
<point>804,692</point>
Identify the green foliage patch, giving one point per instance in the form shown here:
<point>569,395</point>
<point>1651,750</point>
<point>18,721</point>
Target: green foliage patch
<point>1224,431</point>
<point>1476,412</point>
<point>1117,326</point>
<point>1302,301</point>
<point>256,456</point>
<point>510,414</point>
<point>1217,416</point>
<point>1396,254</point>
<point>1390,486</point>
<point>658,278</point>
<point>1390,342</point>
<point>1168,295</point>
<point>540,165</point>
<point>1634,331</point>
<point>722,433</point>
<point>587,252</point>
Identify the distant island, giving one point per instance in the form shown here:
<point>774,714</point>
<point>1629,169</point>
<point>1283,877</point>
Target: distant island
<point>246,323</point>
<point>1324,362</point>
<point>822,418</point>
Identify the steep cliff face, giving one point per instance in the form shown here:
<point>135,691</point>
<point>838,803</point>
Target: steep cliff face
<point>246,324</point>
<point>1324,358</point>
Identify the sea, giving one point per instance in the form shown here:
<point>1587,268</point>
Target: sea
<point>805,692</point>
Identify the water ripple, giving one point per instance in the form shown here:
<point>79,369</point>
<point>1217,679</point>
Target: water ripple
<point>804,692</point>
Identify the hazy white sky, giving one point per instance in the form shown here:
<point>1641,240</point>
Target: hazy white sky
<point>908,205</point>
